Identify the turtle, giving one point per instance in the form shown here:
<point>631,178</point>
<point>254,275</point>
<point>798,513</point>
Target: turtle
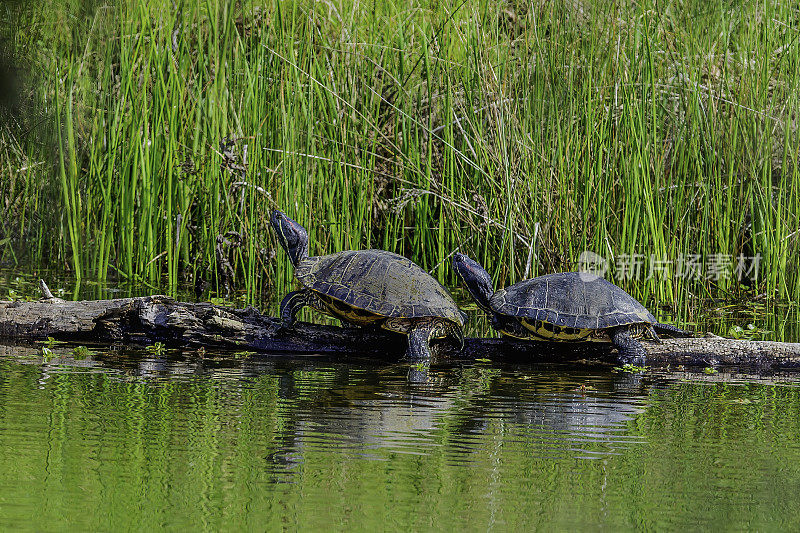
<point>368,288</point>
<point>567,306</point>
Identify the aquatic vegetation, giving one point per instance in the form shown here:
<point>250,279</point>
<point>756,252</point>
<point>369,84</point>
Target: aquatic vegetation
<point>750,331</point>
<point>47,353</point>
<point>50,342</point>
<point>157,349</point>
<point>82,352</point>
<point>661,140</point>
<point>631,369</point>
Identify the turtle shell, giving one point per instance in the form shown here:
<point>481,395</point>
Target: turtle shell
<point>571,300</point>
<point>380,282</point>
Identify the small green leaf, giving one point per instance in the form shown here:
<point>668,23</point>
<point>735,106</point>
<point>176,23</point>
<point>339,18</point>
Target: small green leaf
<point>50,342</point>
<point>81,352</point>
<point>631,369</point>
<point>156,349</point>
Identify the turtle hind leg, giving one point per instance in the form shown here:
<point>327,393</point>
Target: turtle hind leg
<point>672,330</point>
<point>631,351</point>
<point>458,333</point>
<point>418,343</point>
<point>292,303</point>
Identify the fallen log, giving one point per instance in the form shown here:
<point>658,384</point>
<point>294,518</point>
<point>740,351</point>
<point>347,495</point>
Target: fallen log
<point>149,319</point>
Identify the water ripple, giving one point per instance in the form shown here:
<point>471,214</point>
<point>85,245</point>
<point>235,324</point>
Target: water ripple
<point>182,441</point>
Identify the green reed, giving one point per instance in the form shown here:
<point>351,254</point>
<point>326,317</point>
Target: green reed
<point>522,134</point>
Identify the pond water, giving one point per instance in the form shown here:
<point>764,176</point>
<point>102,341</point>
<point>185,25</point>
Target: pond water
<point>124,439</point>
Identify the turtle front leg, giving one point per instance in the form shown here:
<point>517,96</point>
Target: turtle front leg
<point>631,351</point>
<point>418,343</point>
<point>292,303</point>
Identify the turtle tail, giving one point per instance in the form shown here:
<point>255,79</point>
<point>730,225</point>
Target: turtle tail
<point>418,347</point>
<point>671,330</point>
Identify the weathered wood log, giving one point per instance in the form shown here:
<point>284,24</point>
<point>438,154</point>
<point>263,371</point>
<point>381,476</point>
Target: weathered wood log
<point>151,319</point>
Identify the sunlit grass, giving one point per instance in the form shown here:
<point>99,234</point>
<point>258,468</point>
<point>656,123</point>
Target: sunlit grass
<point>521,134</point>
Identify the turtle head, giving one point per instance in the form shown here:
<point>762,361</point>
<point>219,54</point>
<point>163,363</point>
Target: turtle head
<point>477,280</point>
<point>291,235</point>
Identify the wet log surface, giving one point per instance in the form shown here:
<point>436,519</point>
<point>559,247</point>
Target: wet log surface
<point>149,319</point>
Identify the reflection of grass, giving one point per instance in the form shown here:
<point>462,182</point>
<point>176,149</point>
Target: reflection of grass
<point>522,135</point>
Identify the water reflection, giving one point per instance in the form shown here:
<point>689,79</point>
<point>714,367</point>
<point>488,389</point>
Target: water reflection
<point>361,408</point>
<point>128,438</point>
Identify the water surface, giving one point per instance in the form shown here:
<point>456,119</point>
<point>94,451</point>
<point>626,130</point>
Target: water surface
<point>124,439</point>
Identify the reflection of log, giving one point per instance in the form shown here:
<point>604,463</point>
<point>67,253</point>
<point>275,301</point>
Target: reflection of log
<point>159,318</point>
